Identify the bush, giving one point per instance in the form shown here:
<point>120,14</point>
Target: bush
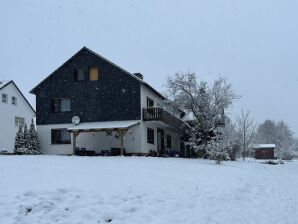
<point>288,155</point>
<point>272,162</point>
<point>26,151</point>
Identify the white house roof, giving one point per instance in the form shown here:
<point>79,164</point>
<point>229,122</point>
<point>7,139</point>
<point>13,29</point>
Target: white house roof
<point>4,83</point>
<point>264,146</point>
<point>104,125</point>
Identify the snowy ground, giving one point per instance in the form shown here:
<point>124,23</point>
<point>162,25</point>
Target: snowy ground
<point>58,189</point>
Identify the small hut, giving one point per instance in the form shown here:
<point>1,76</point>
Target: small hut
<point>264,151</point>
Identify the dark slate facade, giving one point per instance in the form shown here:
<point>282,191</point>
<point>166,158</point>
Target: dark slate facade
<point>115,96</point>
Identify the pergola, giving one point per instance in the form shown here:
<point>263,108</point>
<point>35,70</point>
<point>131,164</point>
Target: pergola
<point>121,127</point>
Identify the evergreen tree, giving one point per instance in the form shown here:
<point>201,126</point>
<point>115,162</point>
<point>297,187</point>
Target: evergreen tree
<point>33,139</point>
<point>27,144</point>
<point>19,140</point>
<point>218,146</point>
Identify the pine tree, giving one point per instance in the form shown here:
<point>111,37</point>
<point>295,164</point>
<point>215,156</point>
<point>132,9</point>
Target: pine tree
<point>33,139</point>
<point>27,145</point>
<point>218,146</point>
<point>19,140</point>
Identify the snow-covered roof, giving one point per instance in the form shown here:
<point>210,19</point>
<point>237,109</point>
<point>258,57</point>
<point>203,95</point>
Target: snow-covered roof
<point>264,146</point>
<point>4,83</point>
<point>103,125</point>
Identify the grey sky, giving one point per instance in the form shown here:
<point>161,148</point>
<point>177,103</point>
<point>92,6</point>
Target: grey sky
<point>252,43</point>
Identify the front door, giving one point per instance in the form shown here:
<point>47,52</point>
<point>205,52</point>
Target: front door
<point>160,141</point>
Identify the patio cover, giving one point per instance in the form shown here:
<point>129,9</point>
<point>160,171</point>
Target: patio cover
<point>119,126</point>
<point>105,125</point>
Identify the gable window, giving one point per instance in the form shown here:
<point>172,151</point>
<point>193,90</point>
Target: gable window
<point>169,141</point>
<point>79,75</point>
<point>150,102</point>
<point>4,98</point>
<point>150,135</point>
<point>19,121</point>
<point>93,74</point>
<point>61,105</point>
<point>13,100</point>
<point>60,136</point>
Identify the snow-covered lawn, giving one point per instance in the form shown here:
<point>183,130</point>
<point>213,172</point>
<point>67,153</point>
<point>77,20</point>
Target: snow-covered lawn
<point>61,189</point>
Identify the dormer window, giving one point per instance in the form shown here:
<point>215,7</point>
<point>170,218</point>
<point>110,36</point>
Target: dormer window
<point>79,75</point>
<point>93,73</point>
<point>4,98</point>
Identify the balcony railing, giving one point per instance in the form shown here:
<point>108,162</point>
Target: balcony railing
<point>159,114</point>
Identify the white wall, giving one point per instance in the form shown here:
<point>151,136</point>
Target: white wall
<point>8,112</point>
<point>146,147</point>
<point>44,136</point>
<point>96,141</point>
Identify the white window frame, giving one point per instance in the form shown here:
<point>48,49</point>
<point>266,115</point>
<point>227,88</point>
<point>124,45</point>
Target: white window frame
<point>18,122</point>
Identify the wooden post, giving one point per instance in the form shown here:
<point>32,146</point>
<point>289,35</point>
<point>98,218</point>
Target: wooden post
<point>74,141</point>
<point>121,133</point>
<point>121,142</point>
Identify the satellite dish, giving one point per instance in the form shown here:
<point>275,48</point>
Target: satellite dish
<point>75,120</point>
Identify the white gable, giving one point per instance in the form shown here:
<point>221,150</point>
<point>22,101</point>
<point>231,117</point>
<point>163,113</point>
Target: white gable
<point>10,113</point>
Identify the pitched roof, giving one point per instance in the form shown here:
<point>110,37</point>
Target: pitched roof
<point>5,83</point>
<point>108,61</point>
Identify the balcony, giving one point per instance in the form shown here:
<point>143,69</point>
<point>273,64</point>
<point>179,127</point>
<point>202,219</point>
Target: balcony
<point>159,114</point>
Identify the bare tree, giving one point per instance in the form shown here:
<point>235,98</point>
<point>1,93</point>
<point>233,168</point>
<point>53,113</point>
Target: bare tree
<point>246,127</point>
<point>204,102</point>
<point>278,133</point>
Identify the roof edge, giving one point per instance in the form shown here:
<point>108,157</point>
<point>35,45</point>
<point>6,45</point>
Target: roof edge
<point>105,59</point>
<point>12,82</point>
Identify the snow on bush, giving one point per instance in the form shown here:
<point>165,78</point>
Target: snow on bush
<point>26,142</point>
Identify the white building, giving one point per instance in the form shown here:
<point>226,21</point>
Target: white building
<point>15,110</point>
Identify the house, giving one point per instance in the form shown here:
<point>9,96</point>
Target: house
<point>264,151</point>
<point>15,111</point>
<point>91,103</point>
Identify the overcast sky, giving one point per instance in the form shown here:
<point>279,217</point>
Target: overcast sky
<point>252,43</point>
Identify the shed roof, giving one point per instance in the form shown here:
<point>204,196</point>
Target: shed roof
<point>104,125</point>
<point>264,146</point>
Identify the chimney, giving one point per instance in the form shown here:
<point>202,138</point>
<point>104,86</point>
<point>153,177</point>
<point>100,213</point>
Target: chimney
<point>139,75</point>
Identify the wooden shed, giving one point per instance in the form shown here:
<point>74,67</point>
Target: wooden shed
<point>264,151</point>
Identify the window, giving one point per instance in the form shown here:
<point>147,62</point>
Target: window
<point>19,121</point>
<point>150,135</point>
<point>93,73</point>
<point>150,102</point>
<point>61,105</point>
<point>13,100</point>
<point>79,75</point>
<point>169,141</point>
<point>4,98</point>
<point>60,136</point>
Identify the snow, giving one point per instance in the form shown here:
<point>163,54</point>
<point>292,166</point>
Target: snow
<point>68,189</point>
<point>104,125</point>
<point>262,146</point>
